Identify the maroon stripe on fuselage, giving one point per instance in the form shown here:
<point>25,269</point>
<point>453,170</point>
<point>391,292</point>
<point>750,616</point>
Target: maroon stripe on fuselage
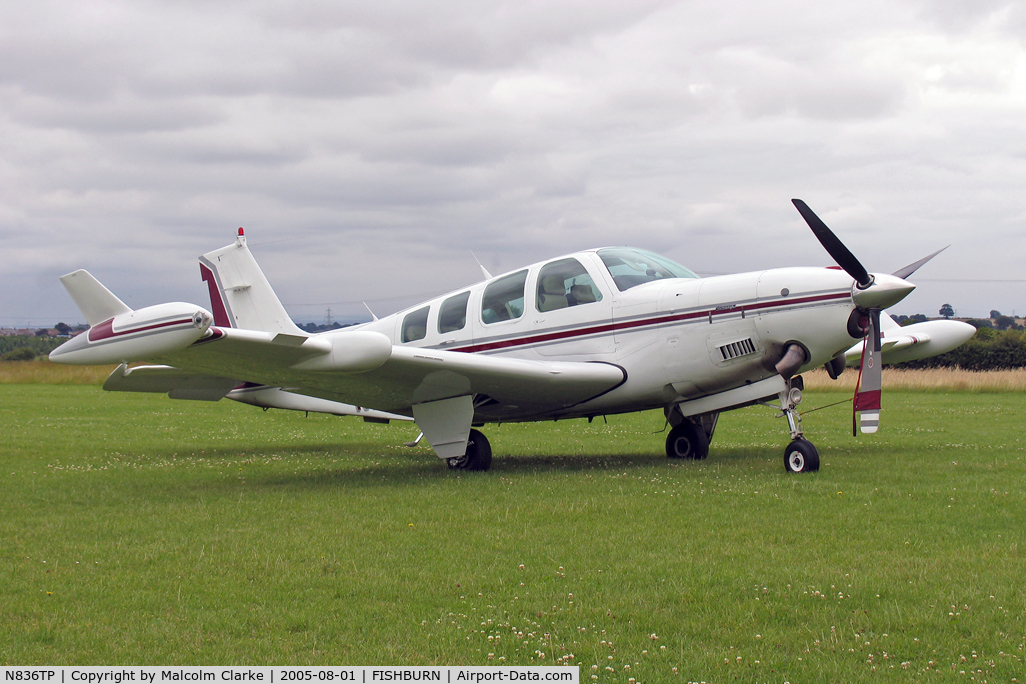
<point>644,322</point>
<point>212,334</point>
<point>101,331</point>
<point>105,330</point>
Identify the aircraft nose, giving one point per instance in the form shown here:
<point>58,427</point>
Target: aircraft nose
<point>884,292</point>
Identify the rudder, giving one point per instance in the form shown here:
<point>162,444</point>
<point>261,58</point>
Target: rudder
<point>240,296</point>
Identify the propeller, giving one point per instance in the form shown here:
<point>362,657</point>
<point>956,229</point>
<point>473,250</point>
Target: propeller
<point>912,268</point>
<point>872,294</point>
<point>834,247</point>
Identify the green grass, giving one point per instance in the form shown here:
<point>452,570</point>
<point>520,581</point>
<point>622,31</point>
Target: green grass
<point>142,530</point>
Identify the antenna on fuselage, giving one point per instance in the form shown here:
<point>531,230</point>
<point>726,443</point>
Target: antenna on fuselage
<point>487,275</point>
<point>369,310</point>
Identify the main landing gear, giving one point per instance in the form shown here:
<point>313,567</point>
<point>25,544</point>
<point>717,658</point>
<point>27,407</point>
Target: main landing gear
<point>687,440</point>
<point>800,456</point>
<point>689,436</point>
<point>478,455</point>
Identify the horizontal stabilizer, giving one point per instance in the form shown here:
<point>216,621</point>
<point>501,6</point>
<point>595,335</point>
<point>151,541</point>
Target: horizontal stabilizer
<point>97,303</point>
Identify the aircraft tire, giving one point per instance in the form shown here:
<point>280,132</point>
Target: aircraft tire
<point>687,440</point>
<point>801,456</point>
<point>478,456</point>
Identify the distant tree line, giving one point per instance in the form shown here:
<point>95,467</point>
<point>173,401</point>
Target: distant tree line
<point>19,347</point>
<point>320,327</point>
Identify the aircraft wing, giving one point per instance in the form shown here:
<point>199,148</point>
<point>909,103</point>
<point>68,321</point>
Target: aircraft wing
<point>364,369</point>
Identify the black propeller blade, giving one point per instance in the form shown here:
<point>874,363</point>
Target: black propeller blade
<point>834,247</point>
<point>912,268</point>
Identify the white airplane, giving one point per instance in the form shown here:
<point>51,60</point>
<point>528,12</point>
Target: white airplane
<point>599,332</point>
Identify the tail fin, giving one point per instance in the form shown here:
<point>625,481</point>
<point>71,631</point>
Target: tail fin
<point>97,303</point>
<point>240,296</point>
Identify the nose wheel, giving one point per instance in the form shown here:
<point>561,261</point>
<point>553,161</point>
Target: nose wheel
<point>800,456</point>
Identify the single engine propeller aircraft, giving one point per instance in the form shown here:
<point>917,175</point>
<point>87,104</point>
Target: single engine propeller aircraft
<point>599,332</point>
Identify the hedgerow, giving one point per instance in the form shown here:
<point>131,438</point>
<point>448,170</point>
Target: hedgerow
<point>988,349</point>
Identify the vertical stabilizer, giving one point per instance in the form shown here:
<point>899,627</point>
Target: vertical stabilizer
<point>240,296</point>
<point>97,303</point>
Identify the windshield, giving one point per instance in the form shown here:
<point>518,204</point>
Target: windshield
<point>632,267</point>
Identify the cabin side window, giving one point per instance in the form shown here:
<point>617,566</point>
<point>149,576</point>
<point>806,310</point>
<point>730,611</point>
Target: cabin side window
<point>415,325</point>
<point>452,316</point>
<point>503,299</point>
<point>565,283</point>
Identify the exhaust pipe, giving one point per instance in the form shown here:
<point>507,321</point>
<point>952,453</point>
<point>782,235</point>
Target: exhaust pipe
<point>793,359</point>
<point>835,366</point>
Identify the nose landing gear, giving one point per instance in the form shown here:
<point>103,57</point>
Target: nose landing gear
<point>800,456</point>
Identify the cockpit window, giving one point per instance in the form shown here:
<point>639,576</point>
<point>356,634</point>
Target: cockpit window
<point>503,299</point>
<point>633,267</point>
<point>565,283</point>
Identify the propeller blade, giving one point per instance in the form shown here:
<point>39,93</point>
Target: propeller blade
<point>867,393</point>
<point>834,247</point>
<point>912,268</point>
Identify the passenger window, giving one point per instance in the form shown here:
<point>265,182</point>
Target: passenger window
<point>415,325</point>
<point>453,314</point>
<point>565,283</point>
<point>504,298</point>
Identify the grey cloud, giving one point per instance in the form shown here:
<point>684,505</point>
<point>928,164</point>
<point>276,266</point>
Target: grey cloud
<point>118,115</point>
<point>359,140</point>
<point>958,16</point>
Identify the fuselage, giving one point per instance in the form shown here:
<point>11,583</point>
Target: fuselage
<point>676,336</point>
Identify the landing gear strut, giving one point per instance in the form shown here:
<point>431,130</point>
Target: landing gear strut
<point>477,457</point>
<point>800,456</point>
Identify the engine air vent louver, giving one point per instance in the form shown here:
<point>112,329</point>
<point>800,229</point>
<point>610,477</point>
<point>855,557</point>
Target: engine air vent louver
<point>736,349</point>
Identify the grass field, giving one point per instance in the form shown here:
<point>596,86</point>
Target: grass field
<point>148,531</point>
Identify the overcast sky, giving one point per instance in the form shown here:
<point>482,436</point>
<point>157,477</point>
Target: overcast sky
<point>369,147</point>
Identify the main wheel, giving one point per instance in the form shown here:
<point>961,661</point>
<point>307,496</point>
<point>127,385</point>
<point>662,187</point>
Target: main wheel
<point>478,456</point>
<point>801,456</point>
<point>687,440</point>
